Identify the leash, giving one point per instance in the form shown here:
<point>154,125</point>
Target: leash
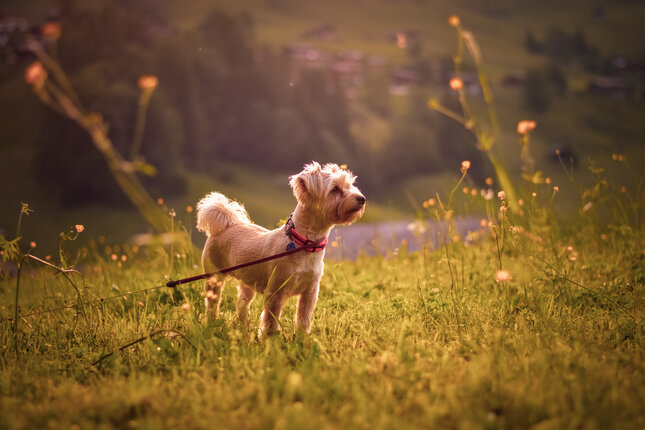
<point>311,247</point>
<point>290,231</point>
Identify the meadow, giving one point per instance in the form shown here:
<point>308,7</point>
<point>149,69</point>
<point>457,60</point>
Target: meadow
<point>536,319</point>
<point>530,322</point>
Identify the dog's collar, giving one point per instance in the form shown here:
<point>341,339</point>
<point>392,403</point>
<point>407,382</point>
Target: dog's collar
<point>290,230</point>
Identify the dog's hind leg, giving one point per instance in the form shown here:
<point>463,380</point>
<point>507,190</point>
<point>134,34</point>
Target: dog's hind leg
<point>213,296</point>
<point>245,296</point>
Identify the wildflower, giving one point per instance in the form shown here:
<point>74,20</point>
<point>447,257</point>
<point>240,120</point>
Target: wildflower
<point>456,84</point>
<point>465,190</point>
<point>621,158</point>
<point>534,195</point>
<point>465,165</point>
<point>483,222</point>
<point>79,228</point>
<point>160,201</point>
<point>51,30</point>
<point>114,257</point>
<point>520,202</point>
<point>623,189</point>
<point>487,194</point>
<point>501,195</point>
<point>401,40</point>
<point>48,257</point>
<point>189,209</point>
<point>523,127</point>
<point>547,180</point>
<point>434,290</point>
<point>586,207</point>
<point>502,275</point>
<point>453,20</point>
<point>101,239</point>
<point>124,258</point>
<point>503,209</point>
<point>556,189</point>
<point>473,192</point>
<point>210,294</point>
<point>185,306</point>
<point>489,181</point>
<point>429,202</point>
<point>148,82</point>
<point>140,303</point>
<point>573,256</point>
<point>604,237</point>
<point>36,74</point>
<point>614,157</point>
<point>433,103</point>
<point>172,213</point>
<point>32,244</point>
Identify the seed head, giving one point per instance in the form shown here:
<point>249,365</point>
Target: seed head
<point>36,74</point>
<point>456,84</point>
<point>503,275</point>
<point>523,127</point>
<point>148,82</point>
<point>51,30</point>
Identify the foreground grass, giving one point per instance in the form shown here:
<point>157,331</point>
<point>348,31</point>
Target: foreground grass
<point>393,345</point>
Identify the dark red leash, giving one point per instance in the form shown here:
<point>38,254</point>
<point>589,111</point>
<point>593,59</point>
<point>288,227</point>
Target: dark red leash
<point>311,247</point>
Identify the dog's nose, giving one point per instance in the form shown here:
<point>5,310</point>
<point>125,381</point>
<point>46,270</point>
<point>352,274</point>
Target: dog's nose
<point>361,199</point>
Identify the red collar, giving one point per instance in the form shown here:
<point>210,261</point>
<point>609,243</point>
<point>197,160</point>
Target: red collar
<point>290,230</point>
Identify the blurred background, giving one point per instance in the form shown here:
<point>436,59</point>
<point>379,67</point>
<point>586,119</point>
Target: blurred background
<point>251,90</point>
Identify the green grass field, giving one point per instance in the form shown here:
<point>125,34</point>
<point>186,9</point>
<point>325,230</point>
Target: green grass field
<point>535,321</point>
<point>420,340</point>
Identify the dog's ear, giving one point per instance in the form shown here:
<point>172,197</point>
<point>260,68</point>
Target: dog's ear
<point>299,187</point>
<point>306,183</point>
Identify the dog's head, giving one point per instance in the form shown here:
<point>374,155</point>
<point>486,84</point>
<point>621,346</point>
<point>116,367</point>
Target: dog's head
<point>330,191</point>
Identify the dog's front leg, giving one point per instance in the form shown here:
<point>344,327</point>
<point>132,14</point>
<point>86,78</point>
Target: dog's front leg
<point>305,309</point>
<point>270,318</point>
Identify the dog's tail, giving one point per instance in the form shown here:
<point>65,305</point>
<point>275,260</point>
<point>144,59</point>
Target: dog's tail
<point>215,212</point>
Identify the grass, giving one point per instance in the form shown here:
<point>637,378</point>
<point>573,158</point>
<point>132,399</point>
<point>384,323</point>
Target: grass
<point>425,339</point>
<point>420,340</point>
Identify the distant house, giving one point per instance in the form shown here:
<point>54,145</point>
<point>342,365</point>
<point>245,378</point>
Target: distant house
<point>405,76</point>
<point>404,38</point>
<point>513,80</point>
<point>324,32</point>
<point>609,86</point>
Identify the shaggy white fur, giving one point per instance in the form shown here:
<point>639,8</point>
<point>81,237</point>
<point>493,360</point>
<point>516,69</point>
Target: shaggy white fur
<point>326,196</point>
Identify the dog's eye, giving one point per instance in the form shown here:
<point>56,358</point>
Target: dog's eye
<point>336,189</point>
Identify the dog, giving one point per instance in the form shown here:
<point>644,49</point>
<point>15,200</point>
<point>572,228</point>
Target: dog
<point>326,196</point>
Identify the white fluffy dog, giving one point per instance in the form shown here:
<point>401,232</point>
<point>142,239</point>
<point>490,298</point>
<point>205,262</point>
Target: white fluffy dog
<point>326,196</point>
